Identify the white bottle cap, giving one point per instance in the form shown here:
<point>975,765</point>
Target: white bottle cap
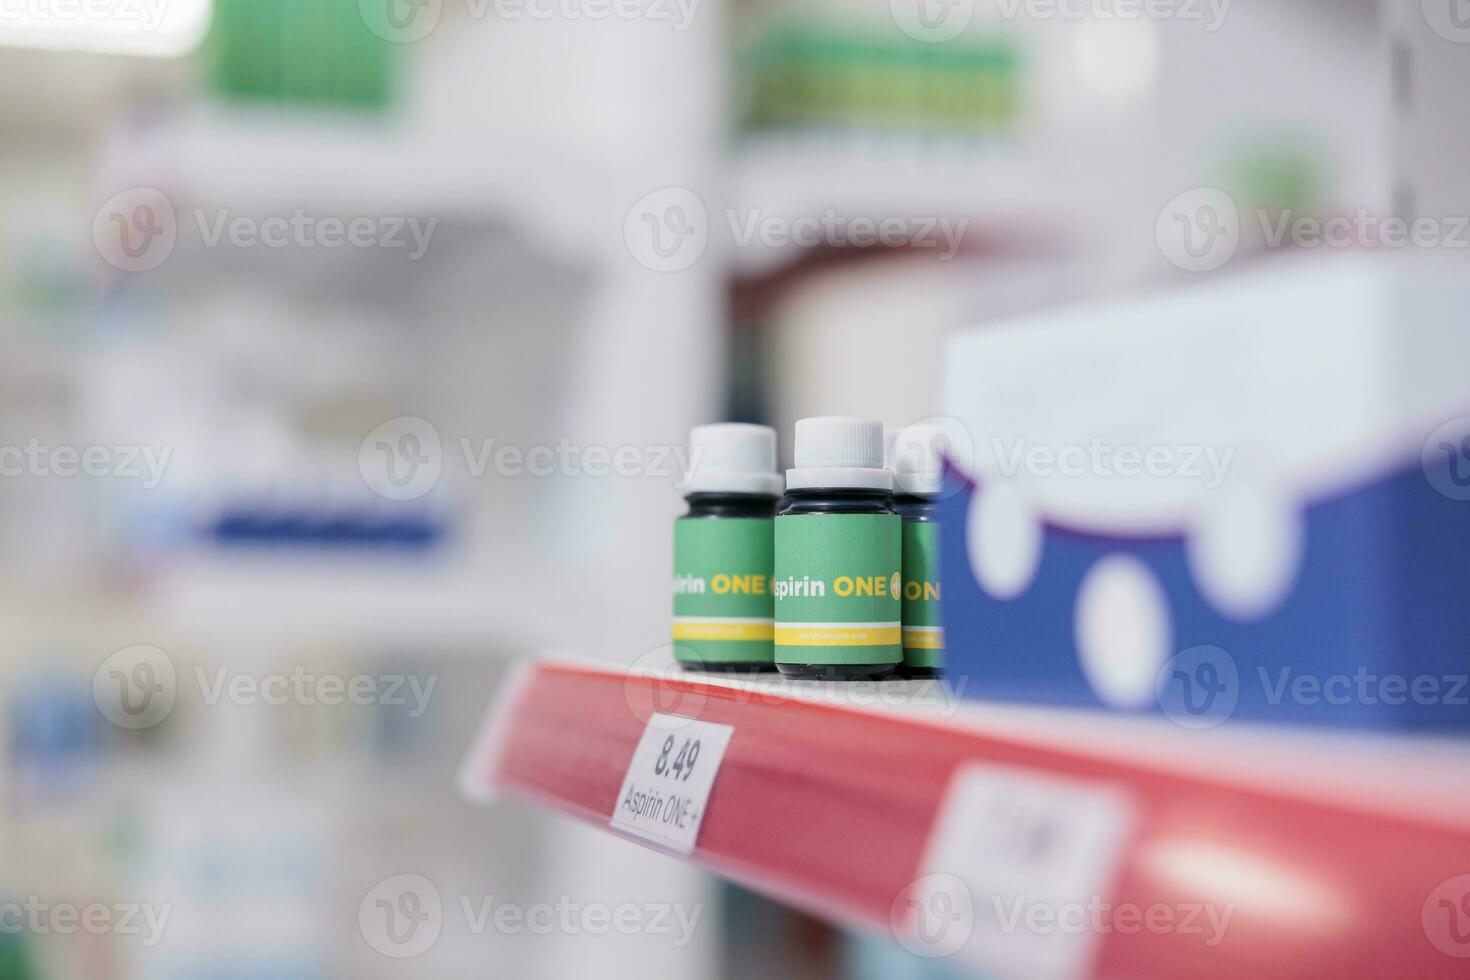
<point>917,459</point>
<point>734,458</point>
<point>839,453</point>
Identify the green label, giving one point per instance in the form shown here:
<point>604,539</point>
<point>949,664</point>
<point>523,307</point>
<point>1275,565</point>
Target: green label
<point>837,589</point>
<point>923,635</point>
<point>723,606</point>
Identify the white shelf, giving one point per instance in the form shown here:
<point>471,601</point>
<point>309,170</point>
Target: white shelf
<point>995,188</point>
<point>339,601</point>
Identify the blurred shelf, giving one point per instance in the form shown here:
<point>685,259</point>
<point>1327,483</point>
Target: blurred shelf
<point>997,189</point>
<point>1324,847</point>
<point>339,601</point>
<point>266,157</point>
<point>254,160</point>
<point>271,160</point>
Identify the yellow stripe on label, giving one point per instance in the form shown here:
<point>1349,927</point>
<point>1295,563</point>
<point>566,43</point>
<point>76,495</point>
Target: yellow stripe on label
<point>923,638</point>
<point>711,629</point>
<point>837,635</point>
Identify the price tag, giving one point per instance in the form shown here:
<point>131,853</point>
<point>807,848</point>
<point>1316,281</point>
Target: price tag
<point>1019,872</point>
<point>669,781</point>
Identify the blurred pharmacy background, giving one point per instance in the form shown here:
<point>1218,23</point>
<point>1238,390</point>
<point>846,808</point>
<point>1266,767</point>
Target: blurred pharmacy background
<point>258,255</point>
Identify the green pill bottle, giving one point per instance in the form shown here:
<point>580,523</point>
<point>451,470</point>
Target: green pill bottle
<point>838,555</point>
<point>724,609</point>
<point>918,480</point>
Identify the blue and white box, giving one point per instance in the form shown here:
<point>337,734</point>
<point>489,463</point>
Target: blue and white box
<point>1244,499</point>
